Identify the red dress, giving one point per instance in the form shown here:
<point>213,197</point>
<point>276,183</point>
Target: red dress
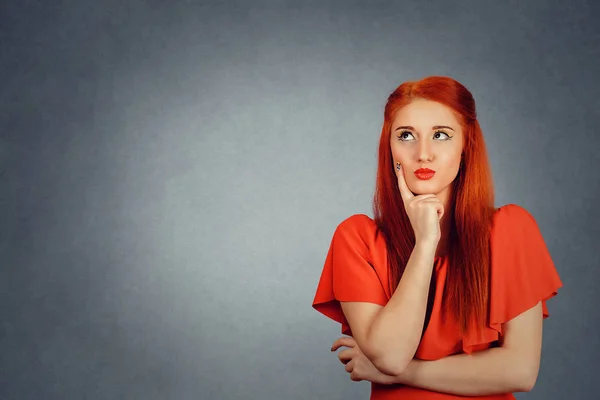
<point>522,274</point>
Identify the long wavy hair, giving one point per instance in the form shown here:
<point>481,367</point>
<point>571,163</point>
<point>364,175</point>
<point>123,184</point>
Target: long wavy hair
<point>472,199</point>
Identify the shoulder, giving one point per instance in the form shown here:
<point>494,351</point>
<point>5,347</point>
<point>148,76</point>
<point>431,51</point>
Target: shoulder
<point>359,232</point>
<point>357,224</point>
<point>511,216</point>
<point>522,269</point>
<point>515,226</point>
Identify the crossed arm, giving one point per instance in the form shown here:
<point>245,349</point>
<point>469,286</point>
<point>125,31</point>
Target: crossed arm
<point>512,367</point>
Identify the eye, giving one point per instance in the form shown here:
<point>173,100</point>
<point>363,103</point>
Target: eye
<point>401,136</point>
<point>448,137</point>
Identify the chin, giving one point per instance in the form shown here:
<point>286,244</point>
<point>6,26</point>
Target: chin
<point>425,187</point>
<point>425,191</point>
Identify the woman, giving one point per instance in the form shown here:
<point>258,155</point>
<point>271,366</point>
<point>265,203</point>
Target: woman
<point>442,294</point>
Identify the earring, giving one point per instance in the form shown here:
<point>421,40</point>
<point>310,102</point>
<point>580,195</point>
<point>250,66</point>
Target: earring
<point>397,165</point>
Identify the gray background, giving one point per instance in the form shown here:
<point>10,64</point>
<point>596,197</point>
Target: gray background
<point>172,173</point>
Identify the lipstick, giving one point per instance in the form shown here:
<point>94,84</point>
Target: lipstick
<point>424,173</point>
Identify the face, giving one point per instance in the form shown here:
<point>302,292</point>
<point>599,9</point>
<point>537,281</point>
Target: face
<point>427,134</point>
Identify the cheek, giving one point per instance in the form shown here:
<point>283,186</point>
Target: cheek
<point>450,167</point>
<point>399,154</point>
<point>451,162</point>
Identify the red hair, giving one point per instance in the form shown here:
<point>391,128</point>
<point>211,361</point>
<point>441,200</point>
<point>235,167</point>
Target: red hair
<point>472,199</point>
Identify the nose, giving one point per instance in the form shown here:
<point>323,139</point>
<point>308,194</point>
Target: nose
<point>424,151</point>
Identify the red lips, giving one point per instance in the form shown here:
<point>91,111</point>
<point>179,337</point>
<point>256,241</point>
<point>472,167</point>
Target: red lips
<point>424,173</point>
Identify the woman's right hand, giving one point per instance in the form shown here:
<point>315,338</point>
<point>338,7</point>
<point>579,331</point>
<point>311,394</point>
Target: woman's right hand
<point>424,211</point>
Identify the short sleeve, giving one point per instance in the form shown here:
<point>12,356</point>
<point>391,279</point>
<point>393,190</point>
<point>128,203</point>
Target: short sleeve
<point>522,271</point>
<point>349,273</point>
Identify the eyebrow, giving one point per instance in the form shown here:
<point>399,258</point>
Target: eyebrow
<point>434,127</point>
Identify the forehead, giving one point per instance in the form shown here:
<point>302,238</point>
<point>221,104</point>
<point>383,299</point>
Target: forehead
<point>423,114</point>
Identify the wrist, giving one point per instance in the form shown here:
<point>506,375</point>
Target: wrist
<point>426,246</point>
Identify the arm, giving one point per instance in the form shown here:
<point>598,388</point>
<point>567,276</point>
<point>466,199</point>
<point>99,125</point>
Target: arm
<point>513,367</point>
<point>389,336</point>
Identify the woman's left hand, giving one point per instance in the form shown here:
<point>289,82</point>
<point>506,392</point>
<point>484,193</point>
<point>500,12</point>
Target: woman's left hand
<point>357,364</point>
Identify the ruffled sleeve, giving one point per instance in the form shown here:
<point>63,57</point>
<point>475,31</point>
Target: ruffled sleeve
<point>349,273</point>
<point>522,272</point>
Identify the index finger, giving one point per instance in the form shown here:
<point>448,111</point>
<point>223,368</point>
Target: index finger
<point>343,341</point>
<point>404,190</point>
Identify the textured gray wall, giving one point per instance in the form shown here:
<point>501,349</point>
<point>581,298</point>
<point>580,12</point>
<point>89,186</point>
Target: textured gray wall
<point>172,174</point>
